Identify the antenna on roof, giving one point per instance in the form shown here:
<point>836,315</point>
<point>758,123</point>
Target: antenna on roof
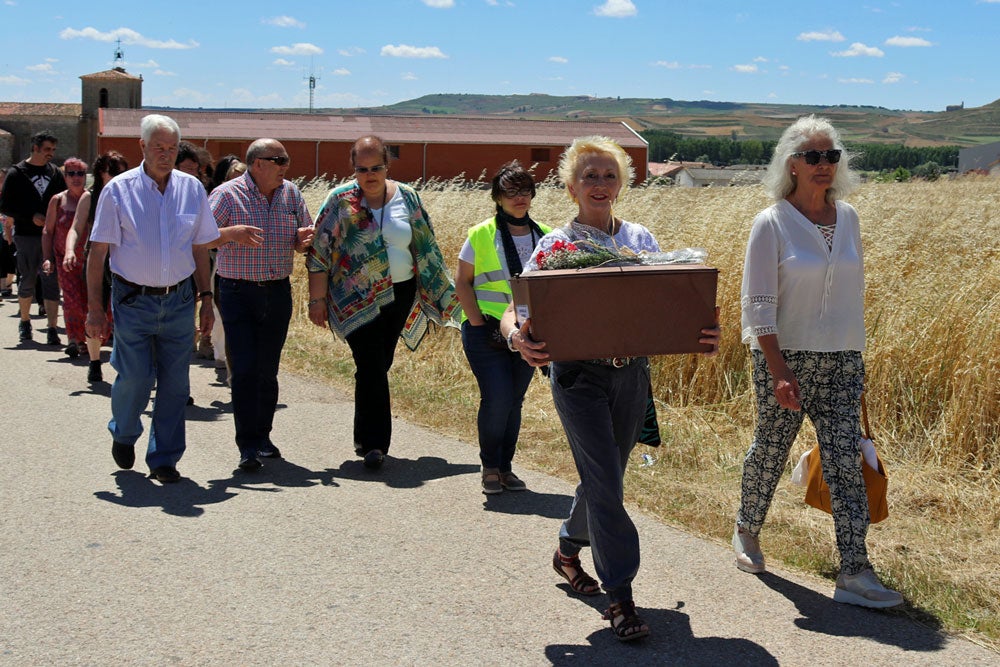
<point>119,62</point>
<point>312,78</point>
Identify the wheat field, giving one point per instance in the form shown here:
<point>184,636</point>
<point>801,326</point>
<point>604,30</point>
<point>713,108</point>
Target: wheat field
<point>932,255</point>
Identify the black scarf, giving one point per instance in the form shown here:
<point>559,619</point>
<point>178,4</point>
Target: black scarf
<point>509,249</point>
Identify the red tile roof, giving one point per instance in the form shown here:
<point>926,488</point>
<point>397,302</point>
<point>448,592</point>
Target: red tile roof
<point>395,129</point>
<point>39,109</point>
<point>116,73</point>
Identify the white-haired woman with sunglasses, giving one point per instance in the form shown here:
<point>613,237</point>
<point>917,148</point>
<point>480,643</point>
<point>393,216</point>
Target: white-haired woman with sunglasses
<point>376,274</point>
<point>803,317</point>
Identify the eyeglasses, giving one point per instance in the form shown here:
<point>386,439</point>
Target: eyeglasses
<point>812,157</point>
<point>364,170</point>
<point>511,194</point>
<point>75,173</point>
<point>280,160</point>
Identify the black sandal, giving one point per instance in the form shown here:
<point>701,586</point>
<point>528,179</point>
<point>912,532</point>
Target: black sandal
<point>630,625</point>
<point>582,583</point>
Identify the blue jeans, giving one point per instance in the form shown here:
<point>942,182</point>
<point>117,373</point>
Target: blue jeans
<point>255,318</point>
<point>602,409</point>
<point>154,336</point>
<point>503,379</point>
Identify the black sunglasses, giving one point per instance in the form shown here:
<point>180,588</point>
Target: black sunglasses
<point>511,194</point>
<point>75,173</point>
<point>364,170</point>
<point>812,157</point>
<point>280,160</point>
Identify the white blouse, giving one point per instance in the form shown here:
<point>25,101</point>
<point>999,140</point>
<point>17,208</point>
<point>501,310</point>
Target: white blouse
<point>797,287</point>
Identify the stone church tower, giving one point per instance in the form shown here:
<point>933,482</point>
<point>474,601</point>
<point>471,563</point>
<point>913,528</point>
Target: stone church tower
<point>112,89</point>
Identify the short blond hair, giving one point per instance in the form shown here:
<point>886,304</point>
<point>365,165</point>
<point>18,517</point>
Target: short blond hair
<point>582,147</point>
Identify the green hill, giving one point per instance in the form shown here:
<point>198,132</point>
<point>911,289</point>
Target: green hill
<point>704,118</point>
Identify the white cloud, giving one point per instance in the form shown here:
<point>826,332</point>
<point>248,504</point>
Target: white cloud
<point>855,81</point>
<point>859,49</point>
<point>760,59</point>
<point>699,67</point>
<point>11,80</point>
<point>407,51</point>
<point>51,60</point>
<point>440,4</point>
<point>43,67</point>
<point>351,51</point>
<point>408,76</point>
<point>300,49</point>
<point>189,97</point>
<point>893,77</point>
<point>128,36</point>
<point>284,22</point>
<point>916,28</point>
<point>163,72</point>
<point>558,59</point>
<point>149,64</point>
<point>772,96</point>
<point>616,9</point>
<point>744,69</point>
<point>821,36</point>
<point>281,62</point>
<point>667,64</point>
<point>341,71</point>
<point>907,41</point>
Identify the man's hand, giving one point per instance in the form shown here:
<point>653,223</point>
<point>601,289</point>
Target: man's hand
<point>206,318</point>
<point>304,238</point>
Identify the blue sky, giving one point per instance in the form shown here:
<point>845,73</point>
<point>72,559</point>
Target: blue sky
<point>902,54</point>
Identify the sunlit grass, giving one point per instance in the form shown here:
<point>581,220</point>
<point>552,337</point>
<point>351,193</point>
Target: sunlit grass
<point>932,254</point>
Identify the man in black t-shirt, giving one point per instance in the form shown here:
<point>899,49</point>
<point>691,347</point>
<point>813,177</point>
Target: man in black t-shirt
<point>29,186</point>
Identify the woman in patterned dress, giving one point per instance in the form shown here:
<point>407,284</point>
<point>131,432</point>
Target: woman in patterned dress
<point>803,317</point>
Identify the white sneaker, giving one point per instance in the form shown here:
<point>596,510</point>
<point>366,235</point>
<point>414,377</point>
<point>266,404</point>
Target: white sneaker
<point>748,554</point>
<point>865,590</point>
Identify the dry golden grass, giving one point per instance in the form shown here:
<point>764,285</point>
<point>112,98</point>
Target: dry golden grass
<point>933,317</point>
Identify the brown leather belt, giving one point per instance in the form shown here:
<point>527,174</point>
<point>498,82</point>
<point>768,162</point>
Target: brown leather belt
<point>145,290</point>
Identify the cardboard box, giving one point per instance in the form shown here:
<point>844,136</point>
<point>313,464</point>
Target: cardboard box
<point>626,311</point>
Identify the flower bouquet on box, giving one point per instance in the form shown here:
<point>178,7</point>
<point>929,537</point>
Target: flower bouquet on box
<point>585,253</point>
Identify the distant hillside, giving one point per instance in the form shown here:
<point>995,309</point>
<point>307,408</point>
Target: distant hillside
<point>964,127</point>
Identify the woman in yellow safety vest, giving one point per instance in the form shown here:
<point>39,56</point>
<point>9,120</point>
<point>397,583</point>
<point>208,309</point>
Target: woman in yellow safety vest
<point>495,250</point>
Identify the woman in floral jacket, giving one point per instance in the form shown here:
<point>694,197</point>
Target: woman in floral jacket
<point>376,274</point>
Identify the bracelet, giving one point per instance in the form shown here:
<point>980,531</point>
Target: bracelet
<point>313,302</point>
<point>510,340</point>
<point>202,295</point>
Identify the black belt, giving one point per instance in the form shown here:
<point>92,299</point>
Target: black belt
<point>151,291</point>
<point>258,283</point>
<point>614,362</point>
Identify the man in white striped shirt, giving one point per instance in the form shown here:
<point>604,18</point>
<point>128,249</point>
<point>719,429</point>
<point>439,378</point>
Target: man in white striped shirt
<point>158,228</point>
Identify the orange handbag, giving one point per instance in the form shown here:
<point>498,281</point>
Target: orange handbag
<point>876,481</point>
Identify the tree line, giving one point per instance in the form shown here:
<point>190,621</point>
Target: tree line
<point>666,146</point>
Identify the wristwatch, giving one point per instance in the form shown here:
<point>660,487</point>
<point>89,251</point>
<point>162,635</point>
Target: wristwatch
<point>510,340</point>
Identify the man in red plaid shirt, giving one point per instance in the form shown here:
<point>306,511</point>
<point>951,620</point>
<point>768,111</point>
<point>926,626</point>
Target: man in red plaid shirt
<point>255,294</point>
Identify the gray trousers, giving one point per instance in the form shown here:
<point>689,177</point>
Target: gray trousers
<point>602,410</point>
<point>831,385</point>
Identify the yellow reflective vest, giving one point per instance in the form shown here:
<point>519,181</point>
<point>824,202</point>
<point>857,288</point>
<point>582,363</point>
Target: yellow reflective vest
<point>490,281</point>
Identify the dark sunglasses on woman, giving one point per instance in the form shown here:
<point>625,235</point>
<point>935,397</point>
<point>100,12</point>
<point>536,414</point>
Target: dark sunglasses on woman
<point>812,157</point>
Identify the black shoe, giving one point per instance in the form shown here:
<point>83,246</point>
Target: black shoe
<point>94,373</point>
<point>52,338</point>
<point>250,463</point>
<point>72,350</point>
<point>374,459</point>
<point>124,455</point>
<point>165,474</point>
<point>269,451</point>
<point>24,330</point>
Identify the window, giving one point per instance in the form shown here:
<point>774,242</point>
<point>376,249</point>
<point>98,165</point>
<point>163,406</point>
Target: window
<point>393,151</point>
<point>103,103</point>
<point>540,155</point>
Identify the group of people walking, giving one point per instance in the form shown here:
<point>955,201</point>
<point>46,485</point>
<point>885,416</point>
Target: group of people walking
<point>376,274</point>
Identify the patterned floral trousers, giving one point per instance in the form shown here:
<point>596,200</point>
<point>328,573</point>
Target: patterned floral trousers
<point>831,385</point>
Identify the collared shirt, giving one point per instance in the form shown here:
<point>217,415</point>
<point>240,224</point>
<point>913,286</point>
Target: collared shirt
<point>151,233</point>
<point>239,202</point>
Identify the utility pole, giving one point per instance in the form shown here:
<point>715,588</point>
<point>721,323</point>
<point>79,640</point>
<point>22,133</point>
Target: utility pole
<point>312,78</point>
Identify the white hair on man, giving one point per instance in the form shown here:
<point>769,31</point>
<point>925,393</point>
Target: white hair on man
<point>154,122</point>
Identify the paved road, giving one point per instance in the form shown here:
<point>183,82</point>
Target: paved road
<point>315,561</point>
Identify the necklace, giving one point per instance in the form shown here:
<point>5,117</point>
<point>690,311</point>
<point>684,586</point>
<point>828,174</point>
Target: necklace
<point>381,211</point>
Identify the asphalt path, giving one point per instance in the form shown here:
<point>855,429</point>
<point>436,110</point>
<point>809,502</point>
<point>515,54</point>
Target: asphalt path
<point>316,561</point>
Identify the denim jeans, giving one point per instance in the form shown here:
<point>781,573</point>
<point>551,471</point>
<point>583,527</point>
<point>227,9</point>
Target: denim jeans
<point>503,379</point>
<point>602,409</point>
<point>154,336</point>
<point>373,347</point>
<point>255,318</point>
